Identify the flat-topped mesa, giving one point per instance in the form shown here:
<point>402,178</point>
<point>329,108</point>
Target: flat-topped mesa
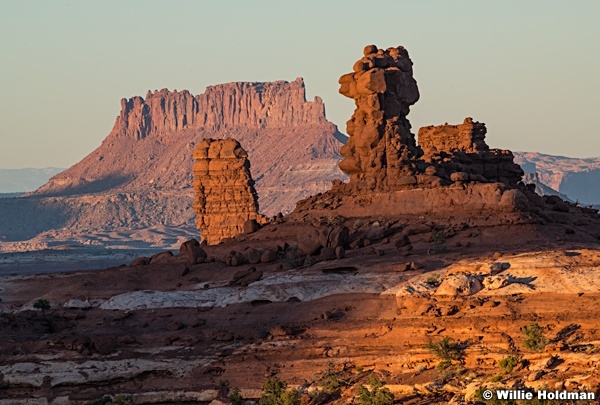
<point>381,152</point>
<point>225,198</point>
<point>256,105</point>
<point>459,153</point>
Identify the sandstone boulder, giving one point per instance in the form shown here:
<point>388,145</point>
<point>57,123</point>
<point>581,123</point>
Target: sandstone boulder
<point>458,285</point>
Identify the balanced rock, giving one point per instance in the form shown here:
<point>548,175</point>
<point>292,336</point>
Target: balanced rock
<point>225,197</point>
<point>381,150</point>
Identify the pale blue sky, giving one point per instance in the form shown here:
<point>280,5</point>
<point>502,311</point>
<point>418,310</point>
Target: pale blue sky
<point>528,69</point>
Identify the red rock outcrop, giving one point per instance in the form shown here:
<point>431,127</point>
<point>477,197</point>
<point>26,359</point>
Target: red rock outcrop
<point>225,196</point>
<point>459,152</point>
<point>381,151</point>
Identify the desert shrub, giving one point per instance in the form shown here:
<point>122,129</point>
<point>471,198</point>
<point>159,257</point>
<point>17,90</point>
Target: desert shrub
<point>235,396</point>
<point>437,241</point>
<point>42,305</point>
<point>508,363</point>
<point>432,280</point>
<point>275,393</point>
<point>446,350</point>
<point>329,379</point>
<point>444,364</point>
<point>377,395</point>
<point>359,369</point>
<point>496,378</point>
<point>534,337</point>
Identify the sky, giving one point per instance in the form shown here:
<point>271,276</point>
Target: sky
<point>529,69</point>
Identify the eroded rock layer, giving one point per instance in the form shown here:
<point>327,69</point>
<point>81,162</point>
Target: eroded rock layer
<point>381,150</point>
<point>225,195</point>
<point>460,153</point>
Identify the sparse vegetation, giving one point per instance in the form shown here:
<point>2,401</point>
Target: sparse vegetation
<point>432,280</point>
<point>445,349</point>
<point>42,304</point>
<point>509,363</point>
<point>359,369</point>
<point>444,364</point>
<point>437,241</point>
<point>235,396</point>
<point>377,395</point>
<point>534,337</point>
<point>275,393</point>
<point>496,378</point>
<point>329,380</point>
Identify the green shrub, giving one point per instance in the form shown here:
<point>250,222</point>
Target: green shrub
<point>432,280</point>
<point>275,393</point>
<point>508,363</point>
<point>236,397</point>
<point>496,378</point>
<point>437,241</point>
<point>446,350</point>
<point>328,379</point>
<point>444,364</point>
<point>42,305</point>
<point>534,337</point>
<point>377,395</point>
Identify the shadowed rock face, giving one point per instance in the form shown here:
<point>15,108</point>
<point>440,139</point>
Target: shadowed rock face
<point>381,150</point>
<point>225,195</point>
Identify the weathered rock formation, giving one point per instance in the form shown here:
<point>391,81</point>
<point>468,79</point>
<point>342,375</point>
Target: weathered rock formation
<point>225,196</point>
<point>141,176</point>
<point>381,151</point>
<point>460,153</point>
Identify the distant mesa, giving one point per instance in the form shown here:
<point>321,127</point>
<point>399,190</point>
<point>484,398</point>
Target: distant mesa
<point>146,161</point>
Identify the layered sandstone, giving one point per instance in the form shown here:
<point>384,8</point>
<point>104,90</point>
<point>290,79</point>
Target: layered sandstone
<point>461,153</point>
<point>225,196</point>
<point>381,151</point>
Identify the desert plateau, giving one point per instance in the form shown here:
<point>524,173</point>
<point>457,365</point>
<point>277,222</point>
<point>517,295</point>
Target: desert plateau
<point>312,203</point>
<point>234,247</point>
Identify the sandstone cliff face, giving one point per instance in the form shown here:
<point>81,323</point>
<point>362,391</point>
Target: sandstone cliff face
<point>293,149</point>
<point>255,105</point>
<point>225,196</point>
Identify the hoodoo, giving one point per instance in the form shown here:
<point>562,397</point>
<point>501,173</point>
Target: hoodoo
<point>225,195</point>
